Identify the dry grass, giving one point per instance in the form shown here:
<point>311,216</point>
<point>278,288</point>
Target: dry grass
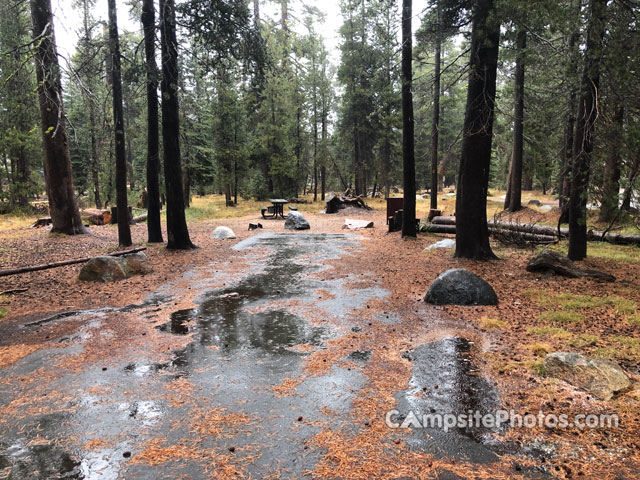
<point>13,222</point>
<point>492,323</point>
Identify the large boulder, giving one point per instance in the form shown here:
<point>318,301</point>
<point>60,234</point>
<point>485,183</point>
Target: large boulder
<point>460,287</point>
<point>112,269</point>
<point>136,264</point>
<point>295,221</point>
<point>102,269</point>
<point>223,233</point>
<point>600,377</point>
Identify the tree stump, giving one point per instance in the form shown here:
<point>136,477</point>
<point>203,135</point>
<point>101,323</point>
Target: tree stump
<point>549,261</point>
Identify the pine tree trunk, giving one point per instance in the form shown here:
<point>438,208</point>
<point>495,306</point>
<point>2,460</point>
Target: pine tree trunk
<point>567,157</point>
<point>472,234</point>
<point>611,183</point>
<point>124,231</point>
<point>177,232</point>
<point>507,196</point>
<point>515,178</point>
<point>435,125</point>
<point>187,182</point>
<point>130,171</point>
<point>583,141</point>
<point>94,155</point>
<point>21,178</point>
<point>63,209</point>
<point>154,228</point>
<point>408,151</point>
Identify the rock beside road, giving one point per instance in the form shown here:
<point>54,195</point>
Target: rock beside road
<point>223,233</point>
<point>135,264</point>
<point>102,269</point>
<point>295,221</point>
<point>460,287</point>
<point>112,269</point>
<point>600,377</point>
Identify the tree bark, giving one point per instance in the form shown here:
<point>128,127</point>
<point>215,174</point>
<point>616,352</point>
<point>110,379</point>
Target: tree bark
<point>94,154</point>
<point>567,156</point>
<point>177,232</point>
<point>124,231</point>
<point>323,167</point>
<point>154,228</point>
<point>583,141</point>
<point>611,182</point>
<point>513,201</point>
<point>435,125</point>
<point>408,151</point>
<point>65,216</point>
<point>472,234</point>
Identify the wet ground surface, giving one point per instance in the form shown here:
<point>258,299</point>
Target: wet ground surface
<point>214,403</point>
<point>444,382</point>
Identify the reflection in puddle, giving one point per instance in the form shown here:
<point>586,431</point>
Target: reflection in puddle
<point>442,383</point>
<point>41,462</point>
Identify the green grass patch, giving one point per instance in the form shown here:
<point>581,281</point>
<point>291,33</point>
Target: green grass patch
<point>537,366</point>
<point>607,251</point>
<point>583,339</point>
<point>634,319</point>
<point>3,312</point>
<point>560,316</point>
<point>623,306</point>
<point>569,302</point>
<point>627,348</point>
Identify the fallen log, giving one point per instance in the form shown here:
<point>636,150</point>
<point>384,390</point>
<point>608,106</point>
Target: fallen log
<point>96,216</point>
<point>140,218</point>
<point>46,266</point>
<point>512,226</point>
<point>592,235</point>
<point>493,230</point>
<point>13,291</point>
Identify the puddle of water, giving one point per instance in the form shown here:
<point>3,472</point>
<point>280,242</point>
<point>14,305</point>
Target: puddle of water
<point>242,347</point>
<point>41,462</point>
<point>443,382</point>
<point>360,356</point>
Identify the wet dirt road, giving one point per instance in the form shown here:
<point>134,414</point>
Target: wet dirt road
<point>240,385</point>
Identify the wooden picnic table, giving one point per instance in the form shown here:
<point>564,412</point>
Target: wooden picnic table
<point>276,209</point>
